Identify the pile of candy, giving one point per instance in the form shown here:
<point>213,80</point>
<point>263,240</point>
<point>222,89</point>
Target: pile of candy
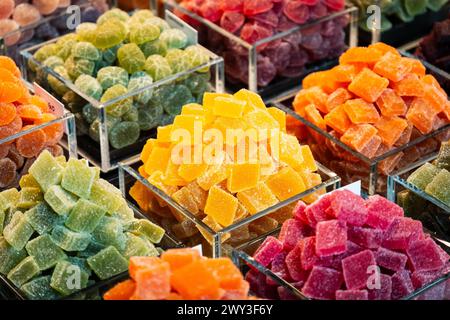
<point>374,101</point>
<point>243,178</point>
<point>181,274</point>
<point>346,248</point>
<point>253,21</point>
<point>20,111</point>
<point>103,67</point>
<point>405,10</point>
<point>66,220</point>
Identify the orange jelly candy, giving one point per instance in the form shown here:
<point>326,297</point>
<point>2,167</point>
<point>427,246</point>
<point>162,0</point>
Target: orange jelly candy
<point>358,136</point>
<point>391,129</point>
<point>368,85</point>
<point>29,112</point>
<point>53,132</point>
<point>392,66</point>
<point>31,144</point>
<point>9,64</point>
<point>178,258</point>
<point>421,116</point>
<point>391,104</point>
<point>410,86</point>
<point>361,54</point>
<point>384,48</point>
<point>338,119</point>
<point>314,95</point>
<point>313,116</point>
<point>345,72</point>
<point>152,280</point>
<point>360,111</point>
<point>121,291</point>
<point>7,113</point>
<point>340,96</point>
<point>40,103</point>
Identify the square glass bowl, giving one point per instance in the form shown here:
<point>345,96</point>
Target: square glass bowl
<point>185,226</point>
<point>253,66</point>
<point>95,124</point>
<point>439,289</point>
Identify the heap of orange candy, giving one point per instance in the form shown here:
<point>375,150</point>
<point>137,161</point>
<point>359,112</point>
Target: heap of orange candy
<point>181,274</point>
<point>20,111</point>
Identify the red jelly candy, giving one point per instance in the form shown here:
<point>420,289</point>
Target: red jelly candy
<point>268,250</point>
<point>322,283</point>
<point>381,212</point>
<point>424,255</point>
<point>279,268</point>
<point>384,289</point>
<point>299,212</point>
<point>366,237</point>
<point>357,269</point>
<point>291,233</point>
<point>296,11</point>
<point>232,21</point>
<point>255,31</point>
<point>401,233</point>
<point>231,5</point>
<point>352,295</point>
<point>391,260</point>
<point>349,207</point>
<point>253,7</point>
<point>331,238</point>
<point>401,284</point>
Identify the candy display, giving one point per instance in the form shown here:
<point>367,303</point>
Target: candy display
<point>244,175</point>
<point>256,21</point>
<point>19,20</point>
<point>22,111</point>
<point>181,274</point>
<point>374,101</point>
<point>66,220</point>
<point>346,248</point>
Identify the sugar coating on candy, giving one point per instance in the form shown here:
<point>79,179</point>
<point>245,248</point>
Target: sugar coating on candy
<point>331,238</point>
<point>268,250</point>
<point>401,284</point>
<point>349,208</point>
<point>366,237</point>
<point>424,255</point>
<point>45,252</point>
<point>352,295</point>
<point>18,231</point>
<point>39,289</point>
<point>60,200</point>
<point>107,263</point>
<point>322,283</point>
<point>24,271</point>
<point>60,280</point>
<point>381,212</point>
<point>401,233</point>
<point>10,256</point>
<point>356,269</point>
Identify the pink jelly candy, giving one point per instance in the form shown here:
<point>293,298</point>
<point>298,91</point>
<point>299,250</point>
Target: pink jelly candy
<point>401,233</point>
<point>322,283</point>
<point>296,11</point>
<point>366,237</point>
<point>291,233</point>
<point>357,269</point>
<point>331,238</point>
<point>391,260</point>
<point>268,250</point>
<point>381,212</point>
<point>401,284</point>
<point>211,11</point>
<point>293,263</point>
<point>279,268</point>
<point>299,212</point>
<point>335,261</point>
<point>253,7</point>
<point>424,255</point>
<point>349,207</point>
<point>285,294</point>
<point>231,5</point>
<point>317,211</point>
<point>352,295</point>
<point>308,253</point>
<point>384,289</point>
<point>232,21</point>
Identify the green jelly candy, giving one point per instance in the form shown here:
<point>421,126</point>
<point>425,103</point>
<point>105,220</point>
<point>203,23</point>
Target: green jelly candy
<point>68,278</point>
<point>443,159</point>
<point>40,289</point>
<point>142,33</point>
<point>109,232</point>
<point>9,257</point>
<point>94,128</point>
<point>157,67</point>
<point>173,98</point>
<point>92,249</point>
<point>415,7</point>
<point>56,84</point>
<point>85,50</point>
<point>178,60</point>
<point>42,218</point>
<point>86,32</point>
<point>28,180</point>
<point>9,213</point>
<point>140,16</point>
<point>124,134</point>
<point>69,240</point>
<point>132,115</point>
<point>46,170</point>
<point>78,178</point>
<point>85,216</point>
<point>423,176</point>
<point>109,56</point>
<point>161,23</point>
<point>119,108</point>
<point>107,196</point>
<point>76,67</point>
<point>60,200</point>
<point>9,198</point>
<point>197,56</point>
<point>45,252</point>
<point>154,47</point>
<point>140,80</point>
<point>62,161</point>
<point>108,263</point>
<point>24,271</point>
<point>90,113</point>
<point>440,187</point>
<point>174,38</point>
<point>110,76</point>
<point>167,119</point>
<point>131,58</point>
<point>197,83</point>
<point>89,86</point>
<point>150,116</point>
<point>138,247</point>
<point>113,14</point>
<point>124,213</point>
<point>82,263</point>
<point>110,34</point>
<point>436,5</point>
<point>53,62</point>
<point>29,197</point>
<point>147,229</point>
<point>18,231</point>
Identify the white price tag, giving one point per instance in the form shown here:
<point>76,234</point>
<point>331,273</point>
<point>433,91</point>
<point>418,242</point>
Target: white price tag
<point>56,107</point>
<point>199,249</point>
<point>354,187</point>
<point>178,23</point>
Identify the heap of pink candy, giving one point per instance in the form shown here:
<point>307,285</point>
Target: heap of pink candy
<point>254,20</point>
<point>333,248</point>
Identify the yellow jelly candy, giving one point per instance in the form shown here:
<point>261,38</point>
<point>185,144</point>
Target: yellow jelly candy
<point>184,198</point>
<point>171,176</point>
<point>233,130</point>
<point>221,206</point>
<point>164,134</point>
<point>312,180</point>
<point>278,115</point>
<point>185,128</point>
<point>243,176</point>
<point>257,199</point>
<point>209,97</point>
<point>241,212</point>
<point>193,109</point>
<point>268,166</point>
<point>308,164</point>
<point>286,183</point>
<point>157,160</point>
<point>228,107</point>
<point>147,149</point>
<point>210,222</point>
<point>191,171</point>
<point>214,174</point>
<point>261,120</point>
<point>251,98</point>
<point>157,179</point>
<point>287,149</point>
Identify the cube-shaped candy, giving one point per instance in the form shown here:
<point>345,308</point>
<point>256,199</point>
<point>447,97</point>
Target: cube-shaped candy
<point>29,197</point>
<point>410,86</point>
<point>268,250</point>
<point>391,104</point>
<point>210,97</point>
<point>278,115</point>
<point>439,187</point>
<point>261,120</point>
<point>163,137</point>
<point>287,150</point>
<point>243,176</point>
<point>317,211</point>
<point>152,280</point>
<point>338,119</point>
<point>422,278</point>
<point>335,261</point>
<point>299,212</point>
<point>178,258</point>
<point>46,170</point>
<point>391,260</point>
<point>106,196</point>
<point>366,237</point>
<point>358,268</point>
<point>40,289</point>
<point>286,183</point>
<point>293,264</point>
<point>391,129</point>
<point>368,85</point>
<point>198,194</point>
<point>425,256</point>
<point>69,240</point>
<point>360,111</point>
<point>434,95</point>
<point>185,126</point>
<point>436,292</point>
<point>352,295</point>
<point>60,200</point>
<point>184,198</point>
<point>250,97</point>
<point>401,233</point>
<point>191,171</point>
<point>138,247</point>
<point>291,233</point>
<point>322,283</point>
<point>311,96</point>
<point>384,289</point>
<point>424,175</point>
<point>171,176</point>
<point>18,231</point>
<point>308,256</point>
<point>24,271</point>
<point>84,216</point>
<point>392,66</point>
<point>401,284</point>
<point>381,212</point>
<point>331,238</point>
<point>214,174</point>
<point>228,107</point>
<point>42,218</point>
<point>421,115</point>
<point>78,178</point>
<point>358,136</point>
<point>68,278</point>
<point>124,213</point>
<point>9,257</point>
<point>371,148</point>
<point>158,159</point>
<point>313,115</point>
<point>147,229</point>
<point>221,206</point>
<point>369,55</point>
<point>258,198</point>
<point>210,222</point>
<point>279,268</point>
<point>337,98</point>
<point>109,232</point>
<point>108,263</point>
<point>348,207</point>
<point>45,252</point>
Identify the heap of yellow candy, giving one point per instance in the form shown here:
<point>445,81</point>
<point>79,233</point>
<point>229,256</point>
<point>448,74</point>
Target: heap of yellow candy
<point>231,188</point>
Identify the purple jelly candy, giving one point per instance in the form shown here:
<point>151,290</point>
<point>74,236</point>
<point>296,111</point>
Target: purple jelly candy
<point>349,207</point>
<point>401,233</point>
<point>322,283</point>
<point>381,212</point>
<point>366,237</point>
<point>424,255</point>
<point>383,289</point>
<point>391,260</point>
<point>358,268</point>
<point>291,233</point>
<point>268,250</point>
<point>278,267</point>
<point>401,284</point>
<point>331,238</point>
<point>352,295</point>
<point>335,261</point>
<point>258,285</point>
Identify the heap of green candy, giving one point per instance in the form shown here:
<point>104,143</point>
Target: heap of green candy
<point>118,55</point>
<point>67,228</point>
